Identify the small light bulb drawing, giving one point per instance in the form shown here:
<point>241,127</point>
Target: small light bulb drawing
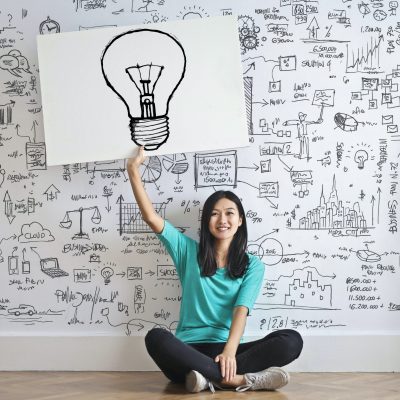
<point>107,273</point>
<point>144,67</point>
<point>360,157</point>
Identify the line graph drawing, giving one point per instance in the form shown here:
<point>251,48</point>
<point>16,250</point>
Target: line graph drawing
<point>130,217</point>
<point>366,59</point>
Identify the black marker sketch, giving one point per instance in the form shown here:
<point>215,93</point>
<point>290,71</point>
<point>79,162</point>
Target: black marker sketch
<point>177,164</point>
<point>269,250</point>
<point>82,275</point>
<point>49,26</point>
<point>86,28</point>
<point>150,170</point>
<point>34,232</point>
<point>107,273</point>
<point>332,215</point>
<point>265,166</point>
<point>155,74</point>
<point>134,273</point>
<point>145,7</point>
<point>36,158</point>
<point>363,9</point>
<point>248,96</point>
<point>166,272</point>
<point>156,17</point>
<point>90,4</point>
<point>365,59</point>
<point>6,113</point>
<point>248,33</point>
<point>94,258</point>
<point>303,289</point>
<point>108,169</point>
<point>51,193</point>
<point>139,299</point>
<point>361,154</point>
<point>268,190</point>
<point>192,12</point>
<point>368,255</point>
<point>379,15</point>
<point>345,122</point>
<point>215,169</point>
<point>67,222</point>
<point>393,5</point>
<point>26,265</point>
<point>313,29</point>
<point>24,13</point>
<point>130,217</point>
<point>107,193</point>
<point>4,239</point>
<point>302,132</point>
<point>22,309</point>
<point>340,17</point>
<point>51,267</point>
<point>14,62</point>
<point>13,268</point>
<point>139,323</point>
<point>8,207</point>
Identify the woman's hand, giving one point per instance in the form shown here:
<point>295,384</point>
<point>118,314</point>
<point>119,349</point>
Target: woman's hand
<point>136,161</point>
<point>227,363</point>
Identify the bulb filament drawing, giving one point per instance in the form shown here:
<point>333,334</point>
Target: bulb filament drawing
<point>144,67</point>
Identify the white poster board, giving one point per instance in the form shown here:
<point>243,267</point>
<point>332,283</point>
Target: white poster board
<point>172,87</point>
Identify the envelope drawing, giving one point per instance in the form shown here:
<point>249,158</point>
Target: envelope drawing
<point>392,129</point>
<point>387,119</point>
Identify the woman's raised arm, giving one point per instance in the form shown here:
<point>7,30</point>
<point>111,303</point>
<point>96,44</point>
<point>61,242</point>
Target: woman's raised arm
<point>149,214</point>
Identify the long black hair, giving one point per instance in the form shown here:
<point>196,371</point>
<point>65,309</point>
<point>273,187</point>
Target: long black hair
<point>237,257</point>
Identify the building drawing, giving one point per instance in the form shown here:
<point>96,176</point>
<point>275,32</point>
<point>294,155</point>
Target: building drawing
<point>332,214</point>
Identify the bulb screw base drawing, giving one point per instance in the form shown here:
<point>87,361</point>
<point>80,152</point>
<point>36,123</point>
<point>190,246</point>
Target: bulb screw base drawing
<point>150,133</point>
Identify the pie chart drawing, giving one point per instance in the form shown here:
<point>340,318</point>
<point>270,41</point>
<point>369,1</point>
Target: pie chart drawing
<point>368,256</point>
<point>176,164</point>
<point>151,169</point>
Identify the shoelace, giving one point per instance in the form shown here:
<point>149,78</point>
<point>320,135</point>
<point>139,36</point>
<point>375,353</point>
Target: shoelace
<point>253,382</point>
<point>211,386</point>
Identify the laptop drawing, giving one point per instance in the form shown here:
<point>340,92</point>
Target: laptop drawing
<point>50,267</point>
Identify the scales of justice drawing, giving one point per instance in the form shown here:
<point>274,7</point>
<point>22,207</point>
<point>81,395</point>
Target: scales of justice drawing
<point>144,68</point>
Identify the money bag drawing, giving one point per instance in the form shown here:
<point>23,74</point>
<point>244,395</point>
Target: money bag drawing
<point>144,68</point>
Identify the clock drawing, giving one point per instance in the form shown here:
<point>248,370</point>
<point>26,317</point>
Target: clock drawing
<point>49,26</point>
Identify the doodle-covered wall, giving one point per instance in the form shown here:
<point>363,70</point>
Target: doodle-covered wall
<point>319,179</point>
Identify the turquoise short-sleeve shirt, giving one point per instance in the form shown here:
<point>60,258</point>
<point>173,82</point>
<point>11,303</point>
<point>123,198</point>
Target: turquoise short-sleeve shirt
<point>208,302</point>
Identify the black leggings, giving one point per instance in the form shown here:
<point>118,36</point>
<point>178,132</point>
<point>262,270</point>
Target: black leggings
<point>176,359</point>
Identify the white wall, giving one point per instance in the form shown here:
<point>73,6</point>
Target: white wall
<point>321,194</point>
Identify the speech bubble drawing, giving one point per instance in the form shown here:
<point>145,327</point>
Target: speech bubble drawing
<point>14,62</point>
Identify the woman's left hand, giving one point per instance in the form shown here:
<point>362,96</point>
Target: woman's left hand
<point>227,363</point>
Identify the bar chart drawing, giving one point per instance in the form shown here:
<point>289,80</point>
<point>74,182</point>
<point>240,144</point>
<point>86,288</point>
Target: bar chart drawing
<point>131,220</point>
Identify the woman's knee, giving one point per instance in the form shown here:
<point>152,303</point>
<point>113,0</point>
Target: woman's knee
<point>154,337</point>
<point>294,343</point>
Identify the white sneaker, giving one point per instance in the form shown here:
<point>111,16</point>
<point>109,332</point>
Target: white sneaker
<point>270,379</point>
<point>196,382</point>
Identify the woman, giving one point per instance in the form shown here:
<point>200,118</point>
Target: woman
<point>220,283</point>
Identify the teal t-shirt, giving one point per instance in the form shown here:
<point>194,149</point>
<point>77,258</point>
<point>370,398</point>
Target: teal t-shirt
<point>208,302</point>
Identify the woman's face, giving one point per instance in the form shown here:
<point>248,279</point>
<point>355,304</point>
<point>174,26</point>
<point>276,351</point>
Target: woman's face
<point>225,220</point>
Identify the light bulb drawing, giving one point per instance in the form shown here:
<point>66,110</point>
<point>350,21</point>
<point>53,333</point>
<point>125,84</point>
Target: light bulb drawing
<point>360,157</point>
<point>67,222</point>
<point>144,68</point>
<point>107,273</point>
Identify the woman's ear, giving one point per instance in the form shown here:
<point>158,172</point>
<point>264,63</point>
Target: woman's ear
<point>240,221</point>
